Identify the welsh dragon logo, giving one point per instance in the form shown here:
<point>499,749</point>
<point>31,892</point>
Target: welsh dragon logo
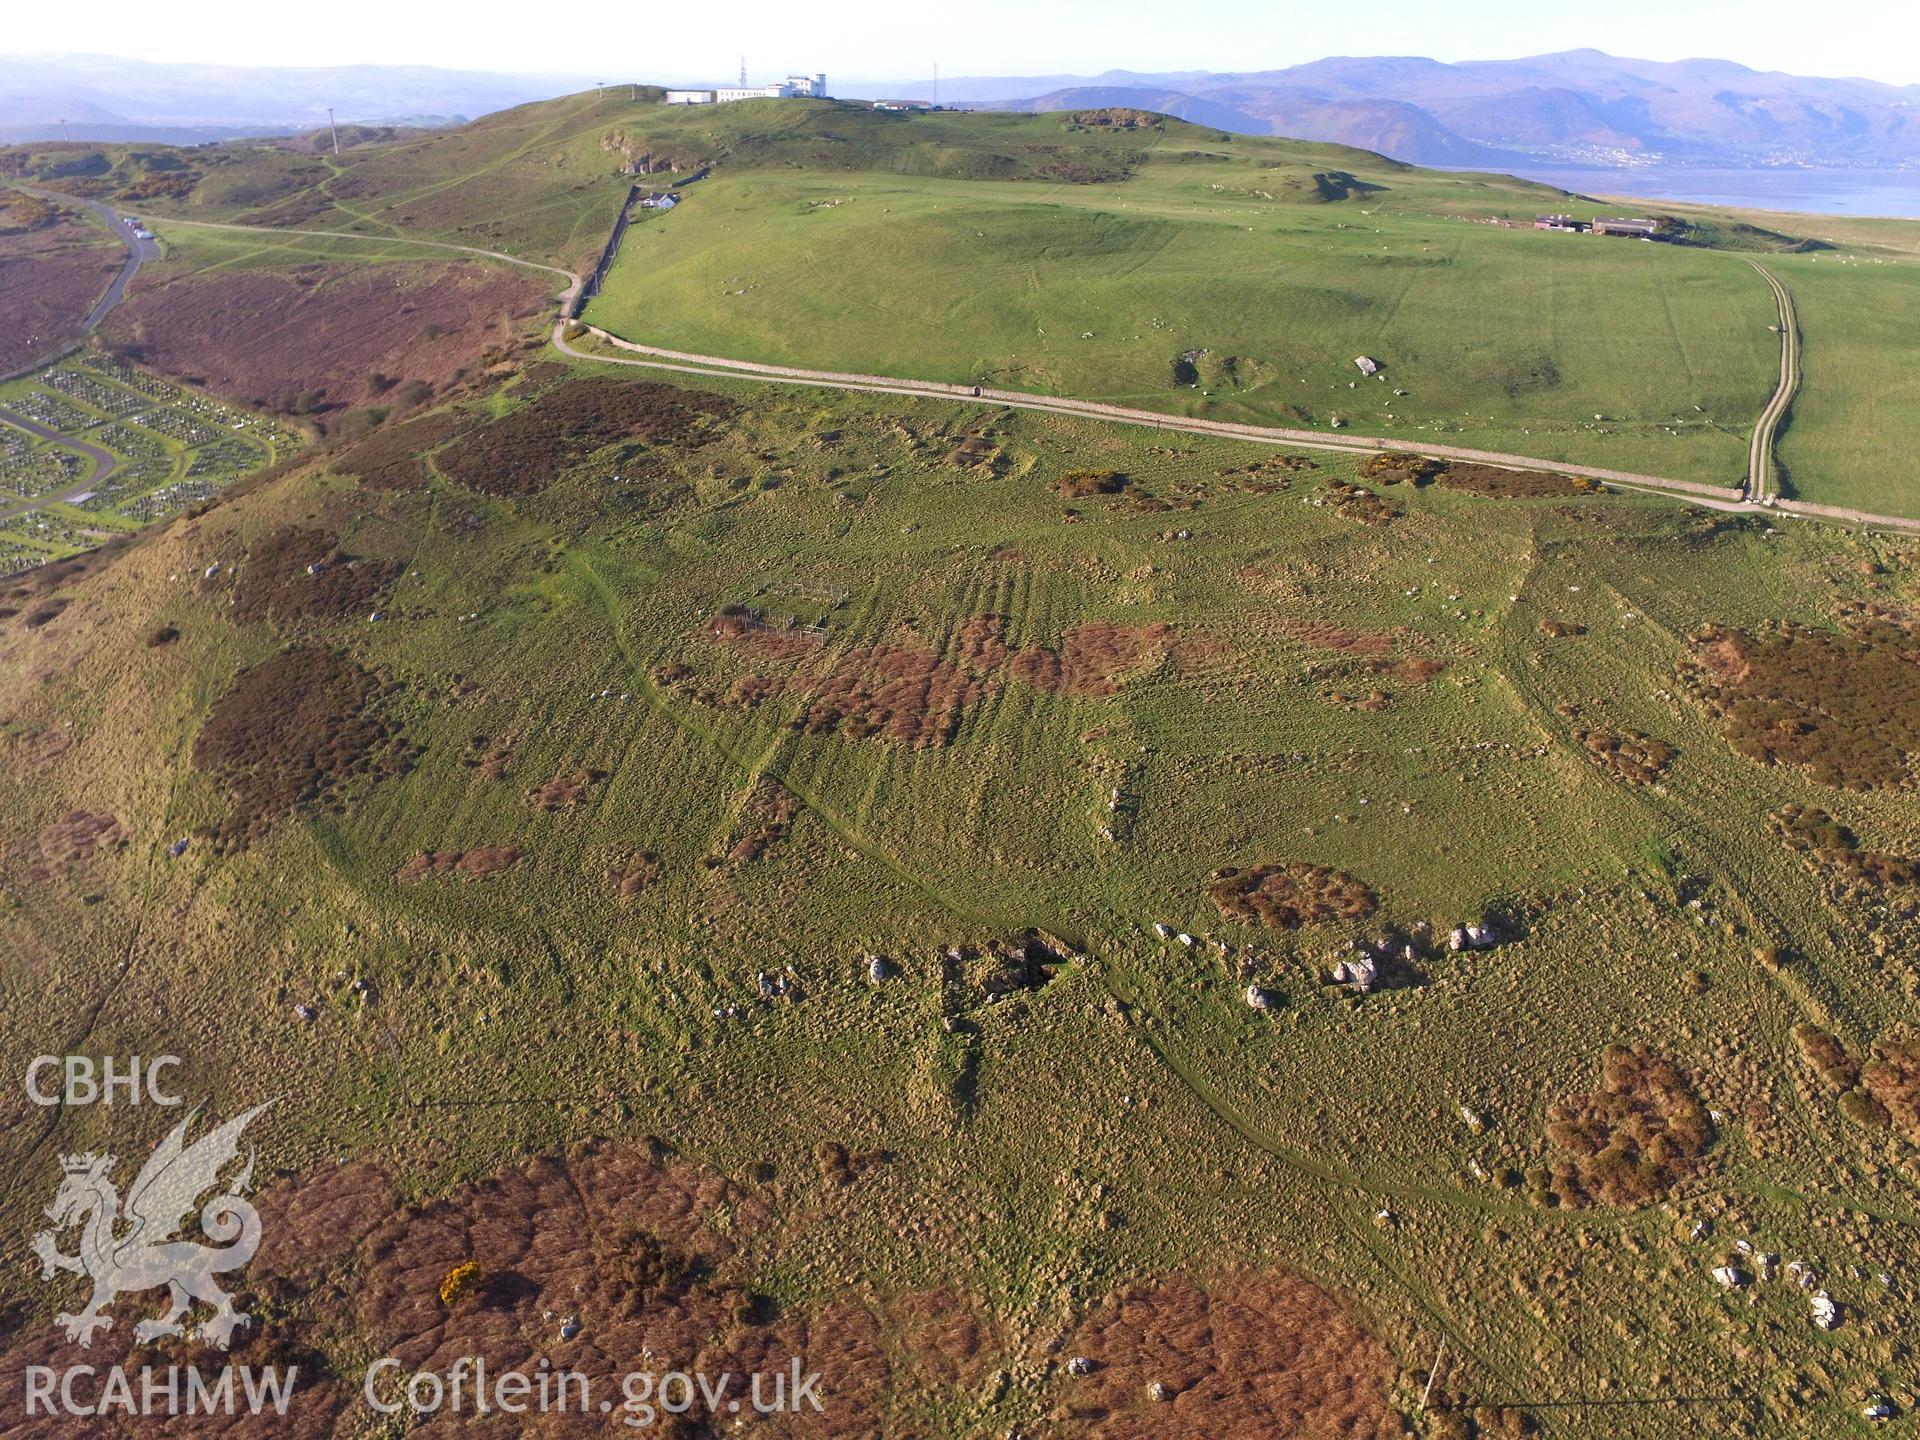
<point>136,1250</point>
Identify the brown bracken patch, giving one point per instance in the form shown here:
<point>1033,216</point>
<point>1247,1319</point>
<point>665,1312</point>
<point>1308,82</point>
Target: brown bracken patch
<point>1475,479</point>
<point>1287,896</point>
<point>1562,629</point>
<point>298,572</point>
<point>1892,1078</point>
<point>1244,1357</point>
<point>49,278</point>
<point>487,757</point>
<point>840,1167</point>
<point>564,791</point>
<point>473,864</point>
<point>77,836</point>
<point>1630,1141</point>
<point>1883,1092</point>
<point>765,818</point>
<point>1843,704</point>
<point>293,731</point>
<point>644,1253</point>
<point>323,337</point>
<point>1083,484</point>
<point>1094,658</point>
<point>631,874</point>
<point>1394,468</point>
<point>911,693</point>
<point>525,451</point>
<point>1325,635</point>
<point>1496,483</point>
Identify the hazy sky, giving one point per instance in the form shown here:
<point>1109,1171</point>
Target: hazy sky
<point>902,39</point>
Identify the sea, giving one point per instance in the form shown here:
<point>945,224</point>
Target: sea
<point>1894,193</point>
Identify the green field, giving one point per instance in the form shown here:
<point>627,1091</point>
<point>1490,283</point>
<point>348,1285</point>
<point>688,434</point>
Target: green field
<point>1855,423</point>
<point>1096,293</point>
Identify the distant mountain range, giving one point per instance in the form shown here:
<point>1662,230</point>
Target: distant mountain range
<point>1580,107</point>
<point>100,97</point>
<point>1577,108</point>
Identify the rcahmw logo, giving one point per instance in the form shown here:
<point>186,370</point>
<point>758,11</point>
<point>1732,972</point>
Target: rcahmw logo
<point>135,1245</point>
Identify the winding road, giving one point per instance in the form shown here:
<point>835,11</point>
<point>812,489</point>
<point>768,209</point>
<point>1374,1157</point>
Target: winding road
<point>1712,497</point>
<point>139,252</point>
<point>1759,495</point>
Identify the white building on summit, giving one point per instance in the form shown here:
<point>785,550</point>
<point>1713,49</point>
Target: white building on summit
<point>810,87</point>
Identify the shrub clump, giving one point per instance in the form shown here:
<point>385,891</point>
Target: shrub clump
<point>466,1278</point>
<point>1287,896</point>
<point>291,732</point>
<point>1356,502</point>
<point>1892,1079</point>
<point>1832,849</point>
<point>1632,1139</point>
<point>521,453</point>
<point>631,875</point>
<point>1081,484</point>
<point>1844,704</point>
<point>298,572</point>
<point>1632,756</point>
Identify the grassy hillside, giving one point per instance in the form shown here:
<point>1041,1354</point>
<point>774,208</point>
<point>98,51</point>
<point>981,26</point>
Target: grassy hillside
<point>1125,256</point>
<point>1062,929</point>
<point>772,683</point>
<point>1171,293</point>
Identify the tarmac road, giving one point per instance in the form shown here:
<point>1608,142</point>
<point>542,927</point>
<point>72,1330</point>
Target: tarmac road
<point>1712,497</point>
<point>139,252</point>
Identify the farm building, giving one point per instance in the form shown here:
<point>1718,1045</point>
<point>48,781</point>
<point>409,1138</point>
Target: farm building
<point>903,105</point>
<point>1615,225</point>
<point>659,200</point>
<point>1557,222</point>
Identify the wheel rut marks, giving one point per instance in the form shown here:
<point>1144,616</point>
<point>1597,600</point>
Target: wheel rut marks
<point>747,767</point>
<point>1760,462</point>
